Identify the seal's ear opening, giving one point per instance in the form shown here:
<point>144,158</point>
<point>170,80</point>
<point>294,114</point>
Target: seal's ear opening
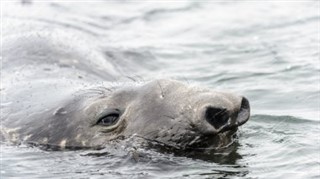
<point>244,112</point>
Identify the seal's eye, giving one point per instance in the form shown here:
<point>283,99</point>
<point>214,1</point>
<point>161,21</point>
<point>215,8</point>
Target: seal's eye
<point>108,120</point>
<point>108,117</point>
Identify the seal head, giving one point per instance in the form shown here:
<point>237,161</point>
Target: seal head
<point>165,111</point>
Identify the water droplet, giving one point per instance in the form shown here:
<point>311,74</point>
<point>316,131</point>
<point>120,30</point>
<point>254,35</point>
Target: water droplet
<point>60,111</point>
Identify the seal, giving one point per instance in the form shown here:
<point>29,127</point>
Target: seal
<point>58,91</point>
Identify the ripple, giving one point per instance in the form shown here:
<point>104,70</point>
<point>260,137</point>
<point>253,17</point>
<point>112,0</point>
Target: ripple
<point>268,52</point>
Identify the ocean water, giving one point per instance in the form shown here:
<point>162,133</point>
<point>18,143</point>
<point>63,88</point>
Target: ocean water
<point>268,51</point>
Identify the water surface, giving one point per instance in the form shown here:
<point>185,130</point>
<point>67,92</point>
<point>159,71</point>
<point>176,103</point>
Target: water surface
<point>267,51</point>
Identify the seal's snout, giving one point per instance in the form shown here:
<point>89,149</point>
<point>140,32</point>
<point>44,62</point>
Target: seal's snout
<point>217,117</point>
<point>224,119</point>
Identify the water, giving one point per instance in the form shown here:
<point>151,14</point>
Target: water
<point>267,51</point>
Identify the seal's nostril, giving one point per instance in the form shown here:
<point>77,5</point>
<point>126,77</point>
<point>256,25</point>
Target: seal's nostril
<point>244,112</point>
<point>245,103</point>
<point>217,117</point>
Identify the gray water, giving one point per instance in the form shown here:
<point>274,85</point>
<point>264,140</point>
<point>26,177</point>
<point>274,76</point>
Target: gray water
<point>266,50</point>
